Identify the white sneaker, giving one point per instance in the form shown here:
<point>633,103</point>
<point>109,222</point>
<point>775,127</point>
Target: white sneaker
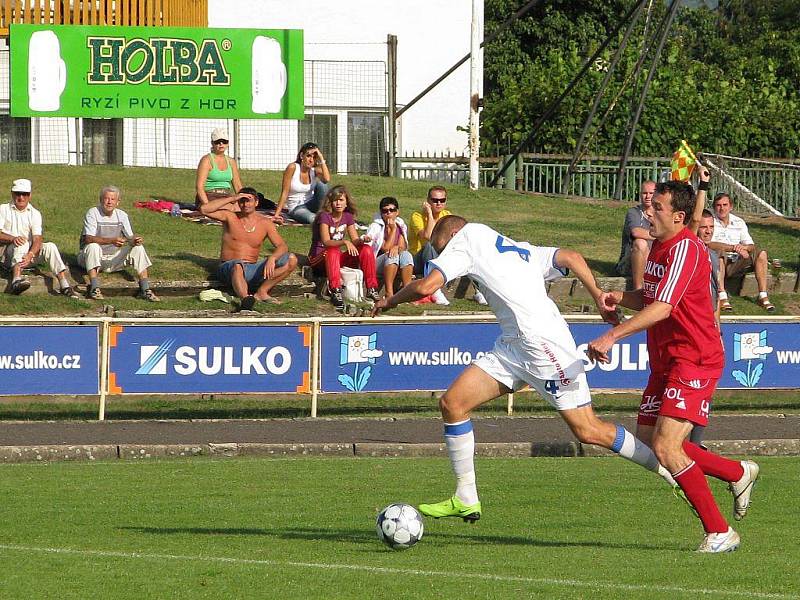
<point>720,542</point>
<point>439,298</point>
<point>742,489</point>
<point>480,299</point>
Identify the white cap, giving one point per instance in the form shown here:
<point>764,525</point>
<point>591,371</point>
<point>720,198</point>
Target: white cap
<point>21,185</point>
<point>219,134</point>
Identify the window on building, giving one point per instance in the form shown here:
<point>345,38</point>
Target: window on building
<point>366,143</point>
<point>102,141</point>
<point>323,131</point>
<point>15,139</point>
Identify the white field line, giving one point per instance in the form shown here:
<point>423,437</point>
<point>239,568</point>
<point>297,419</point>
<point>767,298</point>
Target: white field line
<point>535,581</point>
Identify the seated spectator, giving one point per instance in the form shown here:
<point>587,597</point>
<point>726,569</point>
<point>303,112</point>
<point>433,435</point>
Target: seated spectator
<point>738,251</point>
<point>335,244</point>
<point>109,244</point>
<point>701,224</point>
<point>244,231</point>
<point>387,233</point>
<point>217,173</point>
<point>22,244</point>
<point>636,238</point>
<point>419,235</point>
<point>304,185</point>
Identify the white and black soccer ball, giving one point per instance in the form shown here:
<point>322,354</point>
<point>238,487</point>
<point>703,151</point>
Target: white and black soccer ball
<point>399,526</point>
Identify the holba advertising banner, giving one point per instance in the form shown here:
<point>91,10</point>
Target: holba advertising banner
<point>85,71</point>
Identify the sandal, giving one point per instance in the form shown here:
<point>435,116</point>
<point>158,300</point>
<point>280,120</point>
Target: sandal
<point>765,304</point>
<point>725,305</point>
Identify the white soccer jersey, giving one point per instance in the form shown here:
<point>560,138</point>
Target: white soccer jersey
<point>512,277</point>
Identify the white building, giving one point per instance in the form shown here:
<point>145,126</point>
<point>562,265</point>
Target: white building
<point>345,94</point>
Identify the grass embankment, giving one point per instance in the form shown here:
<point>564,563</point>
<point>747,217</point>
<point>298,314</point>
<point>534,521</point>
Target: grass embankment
<point>182,250</point>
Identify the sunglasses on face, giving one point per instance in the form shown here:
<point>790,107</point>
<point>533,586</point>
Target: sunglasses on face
<point>388,210</point>
<point>438,200</point>
<point>220,141</point>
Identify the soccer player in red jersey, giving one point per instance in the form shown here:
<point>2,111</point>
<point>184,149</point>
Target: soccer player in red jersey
<point>686,360</point>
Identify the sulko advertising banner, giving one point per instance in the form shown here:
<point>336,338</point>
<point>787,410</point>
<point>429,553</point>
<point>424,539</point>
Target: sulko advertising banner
<point>94,71</point>
<point>209,359</point>
<point>398,357</point>
<point>49,360</point>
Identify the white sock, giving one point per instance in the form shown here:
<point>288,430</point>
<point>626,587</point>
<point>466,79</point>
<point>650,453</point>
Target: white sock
<point>63,282</point>
<point>762,295</point>
<point>460,441</point>
<point>723,295</point>
<point>629,446</point>
<point>439,297</point>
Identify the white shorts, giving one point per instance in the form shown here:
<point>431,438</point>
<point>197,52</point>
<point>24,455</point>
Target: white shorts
<point>552,370</point>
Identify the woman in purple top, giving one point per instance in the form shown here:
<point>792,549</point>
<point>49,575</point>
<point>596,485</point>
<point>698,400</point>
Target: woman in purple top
<point>335,243</point>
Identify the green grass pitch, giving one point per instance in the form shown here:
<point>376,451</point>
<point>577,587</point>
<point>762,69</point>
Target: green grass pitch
<point>273,528</point>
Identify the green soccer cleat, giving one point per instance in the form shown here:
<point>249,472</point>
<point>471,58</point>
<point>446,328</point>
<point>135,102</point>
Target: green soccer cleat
<point>452,507</point>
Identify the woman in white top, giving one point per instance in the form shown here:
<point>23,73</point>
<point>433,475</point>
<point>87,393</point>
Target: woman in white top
<point>304,185</point>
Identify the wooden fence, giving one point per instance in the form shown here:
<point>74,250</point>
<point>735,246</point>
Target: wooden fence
<point>186,13</point>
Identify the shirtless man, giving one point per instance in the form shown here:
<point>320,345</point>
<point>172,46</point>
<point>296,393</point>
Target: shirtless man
<point>244,232</point>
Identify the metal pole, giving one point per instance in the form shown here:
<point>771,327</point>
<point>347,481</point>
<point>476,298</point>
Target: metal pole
<point>555,104</point>
<point>595,105</point>
<point>104,355</point>
<point>391,64</point>
<point>237,155</point>
<point>488,40</point>
<point>476,71</point>
<point>634,120</point>
<point>315,359</point>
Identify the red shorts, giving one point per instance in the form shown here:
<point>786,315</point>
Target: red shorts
<point>673,396</point>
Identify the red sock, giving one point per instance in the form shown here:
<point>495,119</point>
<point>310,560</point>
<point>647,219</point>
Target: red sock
<point>695,486</point>
<point>713,464</point>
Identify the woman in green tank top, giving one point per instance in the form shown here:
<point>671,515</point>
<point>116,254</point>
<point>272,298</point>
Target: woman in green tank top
<point>217,174</point>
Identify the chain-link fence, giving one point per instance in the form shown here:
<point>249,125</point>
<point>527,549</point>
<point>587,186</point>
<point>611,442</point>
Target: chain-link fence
<point>346,115</point>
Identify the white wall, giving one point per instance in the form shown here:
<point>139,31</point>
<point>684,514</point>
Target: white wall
<point>431,36</point>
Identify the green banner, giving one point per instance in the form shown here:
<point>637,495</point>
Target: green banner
<point>77,71</point>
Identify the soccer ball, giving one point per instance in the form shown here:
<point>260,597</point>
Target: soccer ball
<point>399,526</point>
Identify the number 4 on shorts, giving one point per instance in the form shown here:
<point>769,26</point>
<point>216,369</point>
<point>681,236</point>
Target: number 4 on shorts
<point>551,386</point>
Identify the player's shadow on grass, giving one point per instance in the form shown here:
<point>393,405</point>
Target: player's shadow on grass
<point>367,536</point>
<point>352,535</point>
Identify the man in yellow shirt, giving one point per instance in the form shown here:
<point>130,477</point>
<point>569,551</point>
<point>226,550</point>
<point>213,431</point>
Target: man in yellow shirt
<point>422,224</point>
<point>420,230</point>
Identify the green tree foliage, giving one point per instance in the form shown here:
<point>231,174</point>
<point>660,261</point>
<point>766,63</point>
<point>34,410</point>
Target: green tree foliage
<point>727,80</point>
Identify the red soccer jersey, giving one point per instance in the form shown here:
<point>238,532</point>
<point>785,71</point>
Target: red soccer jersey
<point>687,343</point>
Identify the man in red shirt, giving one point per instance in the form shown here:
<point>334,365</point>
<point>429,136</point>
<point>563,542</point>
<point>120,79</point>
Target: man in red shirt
<point>686,360</point>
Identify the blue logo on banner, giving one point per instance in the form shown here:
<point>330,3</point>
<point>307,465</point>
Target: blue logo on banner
<point>750,347</point>
<point>154,358</point>
<point>355,350</point>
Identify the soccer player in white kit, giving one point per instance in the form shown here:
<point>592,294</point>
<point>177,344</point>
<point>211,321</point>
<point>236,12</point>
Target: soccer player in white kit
<point>535,348</point>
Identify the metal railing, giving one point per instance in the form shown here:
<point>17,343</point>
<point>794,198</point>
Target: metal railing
<point>776,182</point>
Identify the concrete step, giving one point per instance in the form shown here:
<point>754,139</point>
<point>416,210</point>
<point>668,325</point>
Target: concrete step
<point>304,282</point>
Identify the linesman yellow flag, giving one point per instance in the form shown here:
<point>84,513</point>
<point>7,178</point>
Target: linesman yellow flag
<point>683,162</point>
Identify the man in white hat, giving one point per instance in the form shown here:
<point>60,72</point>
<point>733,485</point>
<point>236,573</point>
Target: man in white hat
<point>21,241</point>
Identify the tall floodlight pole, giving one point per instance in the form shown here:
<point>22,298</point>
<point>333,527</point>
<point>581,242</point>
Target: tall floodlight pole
<point>476,73</point>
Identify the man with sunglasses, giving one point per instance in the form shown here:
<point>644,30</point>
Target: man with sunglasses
<point>244,231</point>
<point>387,234</point>
<point>420,231</point>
